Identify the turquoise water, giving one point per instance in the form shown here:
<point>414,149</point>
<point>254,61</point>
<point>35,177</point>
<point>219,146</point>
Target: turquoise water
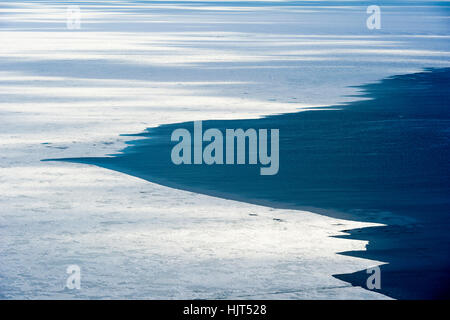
<point>384,159</point>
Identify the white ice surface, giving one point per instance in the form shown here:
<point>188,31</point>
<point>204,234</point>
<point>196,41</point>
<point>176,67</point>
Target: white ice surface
<point>68,93</point>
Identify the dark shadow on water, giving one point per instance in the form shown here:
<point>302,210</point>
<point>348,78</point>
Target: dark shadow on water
<point>386,159</point>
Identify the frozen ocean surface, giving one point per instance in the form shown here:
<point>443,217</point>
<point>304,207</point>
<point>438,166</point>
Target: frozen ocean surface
<point>134,65</point>
<point>385,160</point>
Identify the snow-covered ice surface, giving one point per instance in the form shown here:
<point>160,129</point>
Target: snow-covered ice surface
<point>132,65</point>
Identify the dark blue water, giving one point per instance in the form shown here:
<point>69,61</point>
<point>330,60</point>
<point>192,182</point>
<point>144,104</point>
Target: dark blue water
<point>385,160</point>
